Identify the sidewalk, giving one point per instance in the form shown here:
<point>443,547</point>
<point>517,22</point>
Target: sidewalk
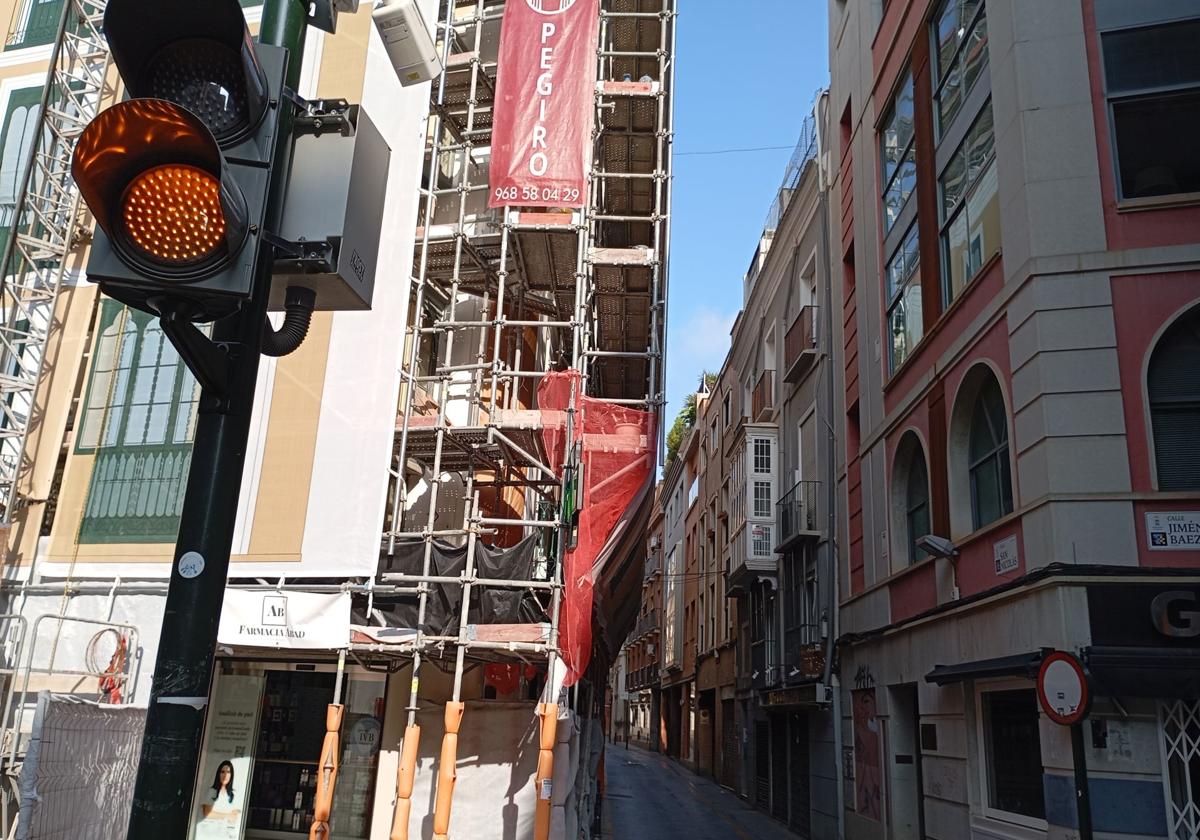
<point>651,797</point>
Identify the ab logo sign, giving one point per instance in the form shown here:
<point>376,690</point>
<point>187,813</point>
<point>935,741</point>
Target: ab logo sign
<point>550,7</point>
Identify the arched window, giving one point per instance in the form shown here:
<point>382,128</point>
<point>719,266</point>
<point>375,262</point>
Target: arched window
<point>909,501</point>
<point>916,504</point>
<point>987,453</point>
<point>1173,384</point>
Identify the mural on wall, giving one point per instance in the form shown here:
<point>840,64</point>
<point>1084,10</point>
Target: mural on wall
<point>867,777</point>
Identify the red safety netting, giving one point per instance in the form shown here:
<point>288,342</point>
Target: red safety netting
<point>618,446</point>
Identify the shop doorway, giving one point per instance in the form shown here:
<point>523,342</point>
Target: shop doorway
<point>729,745</point>
<point>268,775</point>
<point>762,764</point>
<point>904,789</point>
<point>1179,727</point>
<point>800,819</point>
<point>779,769</point>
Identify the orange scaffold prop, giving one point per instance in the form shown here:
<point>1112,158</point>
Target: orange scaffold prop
<point>327,773</point>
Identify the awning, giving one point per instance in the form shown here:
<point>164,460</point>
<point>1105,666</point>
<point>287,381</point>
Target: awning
<point>1144,672</point>
<point>1022,665</point>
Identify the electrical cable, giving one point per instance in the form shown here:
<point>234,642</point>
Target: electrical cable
<point>736,151</point>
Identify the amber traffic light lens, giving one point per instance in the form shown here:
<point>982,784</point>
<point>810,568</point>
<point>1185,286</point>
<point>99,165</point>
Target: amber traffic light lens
<point>172,214</point>
<point>206,78</point>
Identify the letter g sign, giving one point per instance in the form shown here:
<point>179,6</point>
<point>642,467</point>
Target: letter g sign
<point>1175,614</point>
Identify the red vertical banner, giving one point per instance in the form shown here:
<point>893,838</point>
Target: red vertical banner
<point>542,126</point>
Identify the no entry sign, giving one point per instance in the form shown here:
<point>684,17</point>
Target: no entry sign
<point>1062,689</point>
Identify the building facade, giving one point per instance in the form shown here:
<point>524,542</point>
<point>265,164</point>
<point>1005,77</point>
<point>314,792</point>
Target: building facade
<point>644,643</point>
<point>1016,258</point>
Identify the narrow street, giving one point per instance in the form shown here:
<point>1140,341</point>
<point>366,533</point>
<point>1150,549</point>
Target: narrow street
<point>651,797</point>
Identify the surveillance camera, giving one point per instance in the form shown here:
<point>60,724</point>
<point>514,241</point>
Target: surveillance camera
<point>408,41</point>
<point>937,546</point>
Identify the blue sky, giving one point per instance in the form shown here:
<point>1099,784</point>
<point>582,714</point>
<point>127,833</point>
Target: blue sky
<point>748,71</point>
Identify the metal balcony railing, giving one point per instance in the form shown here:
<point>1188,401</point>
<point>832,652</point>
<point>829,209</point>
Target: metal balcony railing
<point>798,514</point>
<point>800,344</point>
<point>136,494</point>
<point>764,396</point>
<point>646,624</point>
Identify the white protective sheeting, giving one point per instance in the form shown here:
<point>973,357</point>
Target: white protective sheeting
<point>78,775</point>
<point>564,823</point>
<point>497,762</point>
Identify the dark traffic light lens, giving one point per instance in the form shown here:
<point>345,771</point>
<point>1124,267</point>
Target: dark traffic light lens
<point>207,78</point>
<point>172,214</point>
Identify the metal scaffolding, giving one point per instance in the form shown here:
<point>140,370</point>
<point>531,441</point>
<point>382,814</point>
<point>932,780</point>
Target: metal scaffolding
<point>503,297</point>
<point>47,224</point>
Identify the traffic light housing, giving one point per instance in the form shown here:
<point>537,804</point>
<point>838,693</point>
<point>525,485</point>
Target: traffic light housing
<point>178,176</point>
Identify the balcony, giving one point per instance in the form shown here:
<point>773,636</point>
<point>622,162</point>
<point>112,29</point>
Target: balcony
<point>798,515</point>
<point>800,344</point>
<point>752,556</point>
<point>646,625</point>
<point>642,678</point>
<point>763,402</point>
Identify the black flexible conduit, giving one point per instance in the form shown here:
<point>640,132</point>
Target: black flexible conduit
<point>298,309</point>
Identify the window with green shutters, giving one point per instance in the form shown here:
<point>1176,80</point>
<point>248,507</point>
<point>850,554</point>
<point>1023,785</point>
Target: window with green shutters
<point>16,139</point>
<point>35,23</point>
<point>138,417</point>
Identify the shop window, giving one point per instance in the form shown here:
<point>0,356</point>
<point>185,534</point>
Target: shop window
<point>138,418</point>
<point>1012,749</point>
<point>1152,82</point>
<point>1174,390</point>
<point>905,322</point>
<point>991,474</point>
<point>896,140</point>
<point>970,207</point>
<point>960,54</point>
<point>291,733</point>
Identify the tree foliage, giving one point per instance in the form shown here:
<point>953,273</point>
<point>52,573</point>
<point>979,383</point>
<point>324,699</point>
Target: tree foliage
<point>685,421</point>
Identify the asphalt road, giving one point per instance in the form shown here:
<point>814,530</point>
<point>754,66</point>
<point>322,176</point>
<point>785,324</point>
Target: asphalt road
<point>649,797</point>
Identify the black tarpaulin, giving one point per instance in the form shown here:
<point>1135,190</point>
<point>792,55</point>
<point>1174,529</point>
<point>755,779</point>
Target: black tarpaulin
<point>489,605</point>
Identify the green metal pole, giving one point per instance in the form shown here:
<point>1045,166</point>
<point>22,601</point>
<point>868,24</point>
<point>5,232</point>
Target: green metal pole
<point>166,777</point>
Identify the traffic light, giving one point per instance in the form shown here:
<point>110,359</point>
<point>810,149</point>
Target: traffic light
<point>178,175</point>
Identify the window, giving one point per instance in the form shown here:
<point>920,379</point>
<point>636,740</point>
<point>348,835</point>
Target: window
<point>139,418</point>
<point>726,411</point>
<point>762,500</point>
<point>17,131</point>
<point>1174,392</point>
<point>960,54</point>
<point>36,24</point>
<point>916,503</point>
<point>760,540</point>
<point>970,207</point>
<point>762,456</point>
<point>896,153</point>
<point>904,300</point>
<point>1013,749</point>
<point>1152,81</point>
<point>990,472</point>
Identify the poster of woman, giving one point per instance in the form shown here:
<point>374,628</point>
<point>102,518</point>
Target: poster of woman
<point>219,801</point>
<point>222,804</point>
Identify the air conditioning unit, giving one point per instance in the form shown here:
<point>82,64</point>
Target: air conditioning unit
<point>408,40</point>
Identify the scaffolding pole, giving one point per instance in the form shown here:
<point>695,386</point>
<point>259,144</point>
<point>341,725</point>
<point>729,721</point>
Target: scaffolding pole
<point>500,300</point>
